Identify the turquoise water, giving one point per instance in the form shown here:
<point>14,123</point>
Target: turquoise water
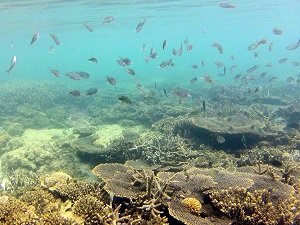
<point>202,22</point>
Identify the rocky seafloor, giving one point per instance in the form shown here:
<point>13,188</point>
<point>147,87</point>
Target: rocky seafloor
<point>67,160</point>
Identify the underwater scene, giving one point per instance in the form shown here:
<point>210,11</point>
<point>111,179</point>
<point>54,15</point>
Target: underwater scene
<point>149,112</point>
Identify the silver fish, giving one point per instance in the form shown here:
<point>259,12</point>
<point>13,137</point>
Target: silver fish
<point>56,73</point>
<point>237,76</point>
<point>226,5</point>
<point>220,139</point>
<point>51,49</point>
<point>282,60</point>
<point>35,37</point>
<point>143,48</point>
<point>277,31</point>
<point>12,64</point>
<point>140,26</point>
<point>295,63</point>
<point>55,39</point>
<point>252,69</point>
<point>189,47</point>
<point>130,72</point>
<point>88,27</point>
<point>164,64</point>
<point>195,66</point>
<point>108,19</point>
<point>218,46</point>
<point>219,64</point>
<point>253,46</point>
<point>233,68</point>
<point>271,47</point>
<point>179,52</point>
<point>292,47</point>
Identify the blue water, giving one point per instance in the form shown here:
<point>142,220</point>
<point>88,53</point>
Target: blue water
<point>202,22</point>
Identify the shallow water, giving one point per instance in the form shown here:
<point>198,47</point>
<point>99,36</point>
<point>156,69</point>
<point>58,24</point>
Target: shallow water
<point>170,123</point>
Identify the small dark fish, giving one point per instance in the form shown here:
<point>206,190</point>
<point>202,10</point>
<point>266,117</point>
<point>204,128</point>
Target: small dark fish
<point>143,48</point>
<point>84,75</point>
<point>219,64</point>
<point>256,54</point>
<point>55,39</point>
<point>181,93</point>
<point>272,79</point>
<point>164,44</point>
<point>56,73</point>
<point>207,78</point>
<point>126,61</point>
<point>154,55</point>
<point>88,27</point>
<point>12,64</point>
<point>262,75</point>
<point>35,37</point>
<point>94,60</point>
<point>253,46</point>
<point>271,47</point>
<point>224,70</point>
<point>232,68</point>
<point>257,89</point>
<point>121,62</point>
<point>111,80</point>
<point>189,47</point>
<point>130,71</point>
<point>269,64</point>
<point>290,79</point>
<point>252,69</point>
<point>263,41</point>
<point>92,91</point>
<point>108,19</point>
<point>179,52</point>
<point>186,41</point>
<point>165,92</point>
<point>74,93</point>
<point>282,60</point>
<point>146,58</point>
<point>203,105</point>
<point>292,47</point>
<point>295,63</point>
<point>193,80</point>
<point>174,52</point>
<point>140,26</point>
<point>125,100</point>
<point>202,63</point>
<point>73,75</point>
<point>277,31</point>
<point>232,57</point>
<point>220,139</point>
<point>195,67</point>
<point>218,46</point>
<point>226,5</point>
<point>165,64</point>
<point>51,49</point>
<point>237,76</point>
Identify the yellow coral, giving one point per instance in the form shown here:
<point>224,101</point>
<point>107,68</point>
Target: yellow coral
<point>193,205</point>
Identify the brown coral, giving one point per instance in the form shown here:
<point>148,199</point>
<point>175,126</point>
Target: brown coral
<point>253,208</point>
<point>193,205</point>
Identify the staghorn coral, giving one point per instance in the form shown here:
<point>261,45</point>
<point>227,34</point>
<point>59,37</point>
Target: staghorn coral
<point>14,211</point>
<point>43,201</point>
<point>19,181</point>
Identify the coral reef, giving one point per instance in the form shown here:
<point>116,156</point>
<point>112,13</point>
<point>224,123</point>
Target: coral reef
<point>192,195</point>
<point>193,205</point>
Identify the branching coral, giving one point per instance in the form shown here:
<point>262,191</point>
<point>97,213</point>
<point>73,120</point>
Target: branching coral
<point>253,208</point>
